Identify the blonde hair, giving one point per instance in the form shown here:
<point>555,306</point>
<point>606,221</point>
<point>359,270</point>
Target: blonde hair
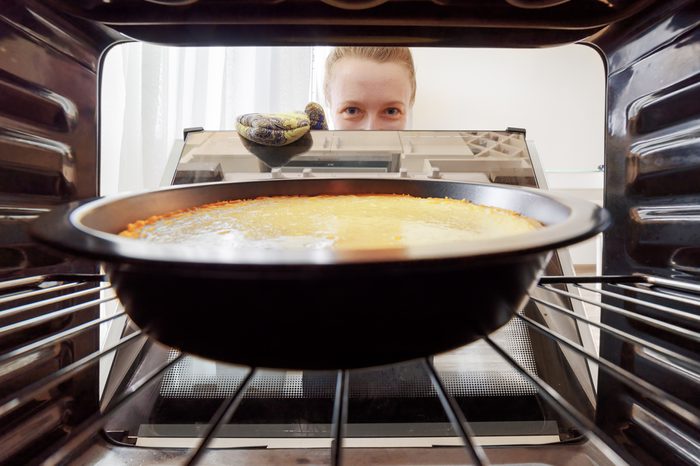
<point>400,55</point>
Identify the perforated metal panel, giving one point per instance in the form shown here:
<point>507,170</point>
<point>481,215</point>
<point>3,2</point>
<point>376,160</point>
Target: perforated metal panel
<point>472,370</point>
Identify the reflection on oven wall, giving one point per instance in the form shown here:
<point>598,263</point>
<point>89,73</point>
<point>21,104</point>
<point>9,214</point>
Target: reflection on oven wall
<point>150,93</point>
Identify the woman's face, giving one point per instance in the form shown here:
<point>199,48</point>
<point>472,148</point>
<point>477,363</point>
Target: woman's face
<point>368,95</point>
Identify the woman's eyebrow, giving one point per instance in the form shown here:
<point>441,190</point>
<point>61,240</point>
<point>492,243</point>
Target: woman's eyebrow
<point>346,103</point>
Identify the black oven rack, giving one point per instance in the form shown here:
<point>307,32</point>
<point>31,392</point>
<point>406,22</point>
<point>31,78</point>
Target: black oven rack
<point>22,302</point>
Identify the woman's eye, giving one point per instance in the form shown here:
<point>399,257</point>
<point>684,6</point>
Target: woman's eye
<point>392,111</point>
<point>352,111</point>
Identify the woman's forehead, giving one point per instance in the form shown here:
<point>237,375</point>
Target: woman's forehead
<point>357,78</point>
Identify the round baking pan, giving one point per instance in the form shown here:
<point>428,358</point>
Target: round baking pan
<point>319,309</point>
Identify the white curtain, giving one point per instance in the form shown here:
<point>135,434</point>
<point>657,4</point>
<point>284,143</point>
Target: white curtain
<point>150,93</point>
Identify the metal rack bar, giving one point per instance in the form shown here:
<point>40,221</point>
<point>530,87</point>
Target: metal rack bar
<point>15,400</point>
<point>222,415</point>
<point>553,279</point>
<point>676,367</point>
<point>677,284</point>
<point>61,277</point>
<point>686,446</point>
<point>28,307</point>
<point>88,428</point>
<point>685,333</point>
<point>623,335</point>
<point>40,291</point>
<point>340,413</point>
<point>599,439</point>
<point>52,315</point>
<point>52,339</point>
<point>688,317</point>
<point>651,292</point>
<point>664,399</point>
<point>20,282</point>
<point>456,416</point>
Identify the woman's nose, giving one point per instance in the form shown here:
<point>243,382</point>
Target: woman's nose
<point>372,122</point>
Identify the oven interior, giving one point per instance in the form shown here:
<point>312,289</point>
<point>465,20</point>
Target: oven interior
<point>80,384</point>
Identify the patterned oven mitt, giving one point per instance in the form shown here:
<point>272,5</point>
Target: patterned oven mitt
<point>280,129</point>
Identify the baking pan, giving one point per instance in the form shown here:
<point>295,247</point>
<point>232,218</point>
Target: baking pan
<point>319,309</point>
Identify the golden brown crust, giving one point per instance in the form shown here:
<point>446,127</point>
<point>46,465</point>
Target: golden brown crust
<point>133,230</point>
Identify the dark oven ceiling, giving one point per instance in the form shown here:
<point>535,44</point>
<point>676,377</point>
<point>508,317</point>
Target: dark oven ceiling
<point>493,23</point>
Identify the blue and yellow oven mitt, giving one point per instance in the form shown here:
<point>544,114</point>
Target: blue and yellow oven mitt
<point>280,129</point>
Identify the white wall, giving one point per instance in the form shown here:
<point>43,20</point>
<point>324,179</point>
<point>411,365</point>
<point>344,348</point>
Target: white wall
<point>556,94</point>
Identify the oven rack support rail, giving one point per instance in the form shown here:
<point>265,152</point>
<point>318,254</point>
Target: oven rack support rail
<point>33,302</point>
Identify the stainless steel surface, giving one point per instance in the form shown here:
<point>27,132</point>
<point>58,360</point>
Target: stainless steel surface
<point>48,126</point>
<point>570,455</point>
<point>48,83</point>
<point>475,23</point>
<point>651,160</point>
